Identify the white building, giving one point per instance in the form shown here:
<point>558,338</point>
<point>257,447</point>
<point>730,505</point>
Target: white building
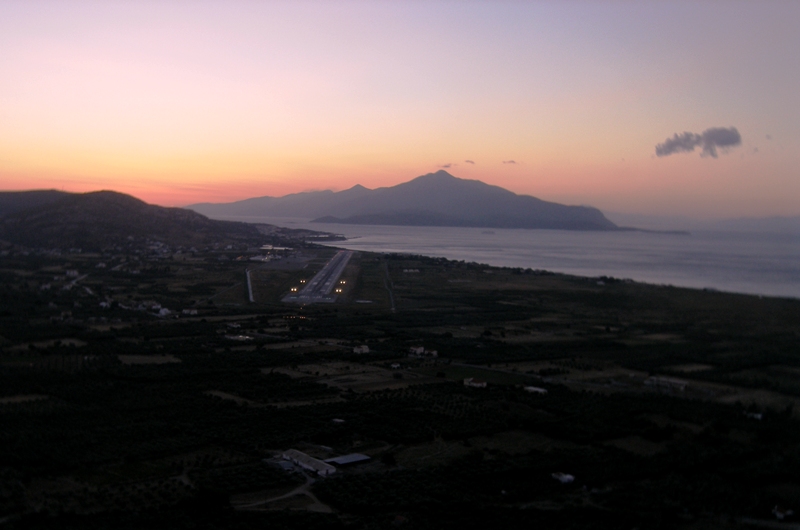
<point>420,351</point>
<point>535,390</point>
<point>781,513</point>
<point>474,383</point>
<point>308,462</point>
<point>563,478</point>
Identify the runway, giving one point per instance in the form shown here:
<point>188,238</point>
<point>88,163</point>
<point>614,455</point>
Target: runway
<point>319,288</point>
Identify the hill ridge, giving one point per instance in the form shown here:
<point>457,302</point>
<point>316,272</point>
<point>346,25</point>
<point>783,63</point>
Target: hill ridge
<point>95,219</point>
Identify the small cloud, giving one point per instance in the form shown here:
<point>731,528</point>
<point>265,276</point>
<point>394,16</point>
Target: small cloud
<point>769,137</point>
<point>679,143</point>
<point>446,166</point>
<point>469,162</point>
<point>509,162</point>
<point>710,140</point>
<point>755,149</point>
<point>720,137</point>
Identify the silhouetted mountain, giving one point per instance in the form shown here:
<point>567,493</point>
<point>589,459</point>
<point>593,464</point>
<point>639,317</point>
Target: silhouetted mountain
<point>97,219</point>
<point>15,201</point>
<point>773,225</point>
<point>435,199</point>
<point>306,204</point>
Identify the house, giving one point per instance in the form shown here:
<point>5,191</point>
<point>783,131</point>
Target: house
<point>309,463</point>
<point>535,390</point>
<point>563,478</point>
<point>474,383</point>
<point>420,351</point>
<point>363,348</point>
<point>240,338</point>
<point>781,513</point>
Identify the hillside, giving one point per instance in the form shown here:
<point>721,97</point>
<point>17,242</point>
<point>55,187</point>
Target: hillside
<point>435,199</point>
<point>97,219</point>
<point>15,201</point>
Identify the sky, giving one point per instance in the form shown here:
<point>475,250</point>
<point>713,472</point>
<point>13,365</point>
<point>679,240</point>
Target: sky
<point>178,102</point>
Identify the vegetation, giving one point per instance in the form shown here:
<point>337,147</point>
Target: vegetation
<point>670,407</point>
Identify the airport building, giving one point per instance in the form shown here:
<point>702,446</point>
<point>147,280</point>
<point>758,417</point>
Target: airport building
<point>309,462</point>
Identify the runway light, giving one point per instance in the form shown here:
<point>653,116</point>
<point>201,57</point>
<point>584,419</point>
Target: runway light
<point>294,289</point>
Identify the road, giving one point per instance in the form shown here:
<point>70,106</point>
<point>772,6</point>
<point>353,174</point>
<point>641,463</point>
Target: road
<point>388,284</point>
<point>249,285</point>
<point>315,506</point>
<point>320,287</point>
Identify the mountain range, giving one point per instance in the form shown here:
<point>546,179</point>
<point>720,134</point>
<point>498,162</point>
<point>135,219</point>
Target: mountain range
<point>435,199</point>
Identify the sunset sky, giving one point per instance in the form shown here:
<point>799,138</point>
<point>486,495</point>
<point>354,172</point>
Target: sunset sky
<point>181,102</point>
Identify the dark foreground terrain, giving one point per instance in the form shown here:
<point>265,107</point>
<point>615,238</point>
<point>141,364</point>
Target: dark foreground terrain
<point>141,388</point>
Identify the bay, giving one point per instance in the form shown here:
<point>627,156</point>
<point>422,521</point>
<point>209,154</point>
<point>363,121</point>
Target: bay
<point>743,262</point>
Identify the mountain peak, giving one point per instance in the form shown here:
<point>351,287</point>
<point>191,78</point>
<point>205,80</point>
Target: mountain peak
<point>441,174</point>
<point>439,178</point>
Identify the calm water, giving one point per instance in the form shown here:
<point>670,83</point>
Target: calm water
<point>757,263</point>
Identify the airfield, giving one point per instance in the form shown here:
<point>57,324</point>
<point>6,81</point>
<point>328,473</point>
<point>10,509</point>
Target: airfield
<point>668,406</point>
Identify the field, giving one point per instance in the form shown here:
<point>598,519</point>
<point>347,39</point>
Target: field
<point>154,393</point>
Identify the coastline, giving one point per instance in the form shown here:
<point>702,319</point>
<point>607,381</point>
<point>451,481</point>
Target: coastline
<point>737,262</point>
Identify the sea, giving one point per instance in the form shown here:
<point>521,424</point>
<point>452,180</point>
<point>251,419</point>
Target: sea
<point>760,263</point>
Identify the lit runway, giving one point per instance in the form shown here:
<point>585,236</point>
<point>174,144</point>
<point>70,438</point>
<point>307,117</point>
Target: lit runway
<point>320,287</point>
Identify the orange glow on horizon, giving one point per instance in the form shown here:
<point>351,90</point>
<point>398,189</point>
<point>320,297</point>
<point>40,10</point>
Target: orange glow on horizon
<point>212,103</point>
<point>626,186</point>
